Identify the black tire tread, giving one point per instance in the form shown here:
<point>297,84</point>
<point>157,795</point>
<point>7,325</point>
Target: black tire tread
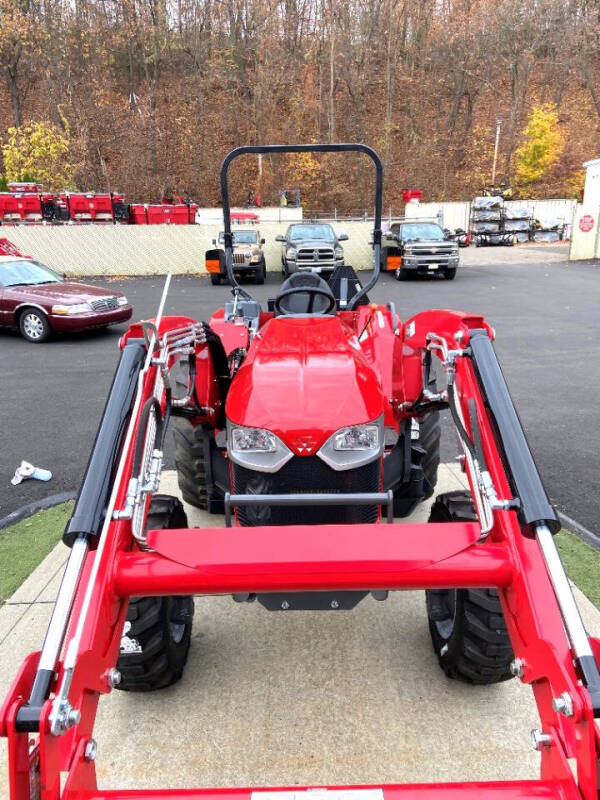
<point>162,660</point>
<point>430,436</point>
<point>190,462</point>
<point>478,648</point>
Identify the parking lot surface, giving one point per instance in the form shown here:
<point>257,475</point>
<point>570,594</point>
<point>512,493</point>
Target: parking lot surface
<point>545,311</point>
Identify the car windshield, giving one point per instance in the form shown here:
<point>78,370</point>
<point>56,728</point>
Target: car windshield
<point>241,237</point>
<point>26,273</point>
<point>421,231</point>
<point>321,232</point>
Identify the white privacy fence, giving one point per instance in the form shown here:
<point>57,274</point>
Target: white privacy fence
<point>457,215</point>
<point>99,250</point>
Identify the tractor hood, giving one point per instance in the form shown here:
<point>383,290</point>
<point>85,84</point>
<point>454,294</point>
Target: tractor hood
<point>303,379</point>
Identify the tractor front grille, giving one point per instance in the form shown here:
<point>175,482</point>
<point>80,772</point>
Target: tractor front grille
<point>304,475</point>
<point>105,304</point>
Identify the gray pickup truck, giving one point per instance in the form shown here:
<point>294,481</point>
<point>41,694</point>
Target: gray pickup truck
<point>311,247</point>
<point>418,247</point>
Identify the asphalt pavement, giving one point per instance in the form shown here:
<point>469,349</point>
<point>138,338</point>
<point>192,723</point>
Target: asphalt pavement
<point>547,318</point>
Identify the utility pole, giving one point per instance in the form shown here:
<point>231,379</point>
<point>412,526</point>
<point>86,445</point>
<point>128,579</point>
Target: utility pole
<point>498,126</point>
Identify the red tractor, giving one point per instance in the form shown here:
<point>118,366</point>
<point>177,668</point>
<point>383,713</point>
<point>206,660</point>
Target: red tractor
<point>312,426</point>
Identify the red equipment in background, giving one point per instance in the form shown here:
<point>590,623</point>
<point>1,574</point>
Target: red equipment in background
<point>27,203</point>
<point>25,186</point>
<point>7,248</point>
<point>165,213</point>
<point>244,216</point>
<point>90,207</point>
<point>20,207</point>
<point>412,194</point>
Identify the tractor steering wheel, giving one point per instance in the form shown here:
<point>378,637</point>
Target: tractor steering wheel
<point>310,290</point>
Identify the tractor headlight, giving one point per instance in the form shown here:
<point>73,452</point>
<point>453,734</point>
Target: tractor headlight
<point>256,448</point>
<point>339,252</point>
<point>291,253</point>
<point>354,445</point>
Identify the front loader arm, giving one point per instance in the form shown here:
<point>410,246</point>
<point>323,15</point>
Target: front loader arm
<point>551,647</point>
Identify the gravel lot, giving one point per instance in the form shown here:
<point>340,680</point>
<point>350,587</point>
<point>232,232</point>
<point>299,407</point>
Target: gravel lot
<point>545,311</point>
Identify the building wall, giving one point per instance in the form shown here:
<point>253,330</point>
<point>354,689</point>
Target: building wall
<point>585,242</point>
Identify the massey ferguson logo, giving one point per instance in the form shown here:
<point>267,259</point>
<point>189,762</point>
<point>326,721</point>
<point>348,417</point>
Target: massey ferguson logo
<point>305,445</point>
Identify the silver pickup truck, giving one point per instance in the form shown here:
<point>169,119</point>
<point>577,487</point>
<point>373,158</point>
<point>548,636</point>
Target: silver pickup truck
<point>311,247</point>
<point>418,247</point>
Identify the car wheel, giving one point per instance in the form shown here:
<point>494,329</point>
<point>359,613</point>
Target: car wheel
<point>450,273</point>
<point>34,325</point>
<point>402,274</point>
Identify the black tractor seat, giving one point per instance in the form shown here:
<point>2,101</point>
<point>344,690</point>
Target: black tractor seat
<point>304,293</point>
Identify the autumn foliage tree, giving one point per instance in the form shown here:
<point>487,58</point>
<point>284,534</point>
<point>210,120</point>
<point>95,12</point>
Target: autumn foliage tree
<point>542,146</point>
<point>38,151</point>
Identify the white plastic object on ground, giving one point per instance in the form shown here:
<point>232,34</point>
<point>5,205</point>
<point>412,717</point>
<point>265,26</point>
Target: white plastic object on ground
<point>27,470</point>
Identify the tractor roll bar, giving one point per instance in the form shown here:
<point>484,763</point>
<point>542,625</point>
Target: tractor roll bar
<point>303,148</point>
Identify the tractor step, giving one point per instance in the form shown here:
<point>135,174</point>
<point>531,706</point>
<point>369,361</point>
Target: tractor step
<point>313,558</point>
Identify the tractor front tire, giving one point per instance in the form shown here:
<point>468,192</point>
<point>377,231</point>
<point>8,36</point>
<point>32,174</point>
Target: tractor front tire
<point>190,461</point>
<point>157,633</point>
<point>467,626</point>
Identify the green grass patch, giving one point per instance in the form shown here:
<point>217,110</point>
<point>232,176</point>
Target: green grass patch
<point>24,545</point>
<point>582,564</point>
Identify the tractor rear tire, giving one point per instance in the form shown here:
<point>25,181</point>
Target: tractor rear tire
<point>467,626</point>
<point>157,633</point>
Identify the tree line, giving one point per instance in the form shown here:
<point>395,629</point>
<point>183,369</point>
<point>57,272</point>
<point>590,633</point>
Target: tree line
<point>151,94</point>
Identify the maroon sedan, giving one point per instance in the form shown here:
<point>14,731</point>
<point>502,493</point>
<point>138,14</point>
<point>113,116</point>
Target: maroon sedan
<point>38,301</point>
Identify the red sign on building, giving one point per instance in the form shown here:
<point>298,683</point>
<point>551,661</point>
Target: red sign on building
<point>586,223</point>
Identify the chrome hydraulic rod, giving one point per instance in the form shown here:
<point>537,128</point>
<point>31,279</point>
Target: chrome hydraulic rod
<point>29,714</point>
<point>571,616</point>
<point>564,594</point>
